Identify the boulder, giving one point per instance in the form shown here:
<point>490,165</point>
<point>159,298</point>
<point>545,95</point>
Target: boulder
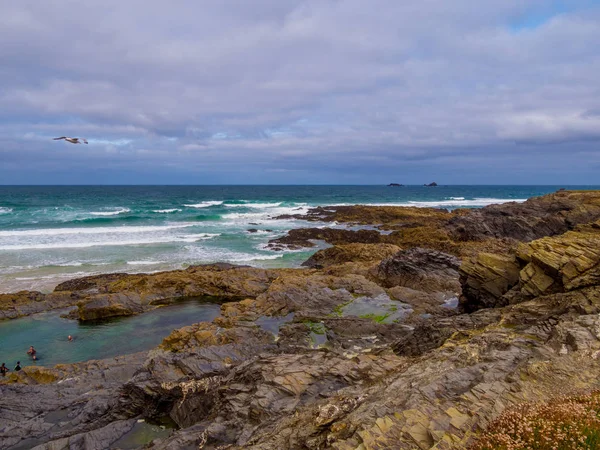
<point>418,268</point>
<point>561,263</point>
<point>485,279</point>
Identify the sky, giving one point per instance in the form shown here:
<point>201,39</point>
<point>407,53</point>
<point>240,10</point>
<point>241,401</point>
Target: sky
<point>300,91</point>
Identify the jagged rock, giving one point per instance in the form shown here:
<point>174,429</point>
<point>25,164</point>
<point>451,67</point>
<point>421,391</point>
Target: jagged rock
<point>566,262</point>
<point>429,383</point>
<point>485,279</point>
<point>535,218</point>
<point>302,237</point>
<point>25,303</point>
<point>341,254</point>
<point>67,406</point>
<point>388,217</point>
<point>418,268</point>
<point>94,282</point>
<point>544,266</point>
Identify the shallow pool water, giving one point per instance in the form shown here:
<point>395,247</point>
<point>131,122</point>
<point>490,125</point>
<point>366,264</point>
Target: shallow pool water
<point>48,333</point>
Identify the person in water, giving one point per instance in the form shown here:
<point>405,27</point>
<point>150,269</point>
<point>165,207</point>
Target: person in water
<point>31,352</point>
<point>3,369</point>
<point>18,366</point>
<point>70,338</point>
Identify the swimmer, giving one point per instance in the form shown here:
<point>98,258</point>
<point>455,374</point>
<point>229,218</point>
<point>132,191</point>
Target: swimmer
<point>18,366</point>
<point>70,338</point>
<point>3,369</point>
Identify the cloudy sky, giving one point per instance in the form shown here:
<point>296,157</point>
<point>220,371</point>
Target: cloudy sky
<point>300,91</point>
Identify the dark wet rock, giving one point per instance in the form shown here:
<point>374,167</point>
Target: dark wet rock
<point>395,184</point>
<point>431,184</point>
<point>252,230</point>
<point>302,237</point>
<point>537,217</point>
<point>422,269</point>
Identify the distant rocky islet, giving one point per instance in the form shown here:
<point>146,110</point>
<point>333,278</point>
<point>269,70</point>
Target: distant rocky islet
<point>413,329</point>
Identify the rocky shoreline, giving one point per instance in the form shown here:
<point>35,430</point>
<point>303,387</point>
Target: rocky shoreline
<point>415,329</point>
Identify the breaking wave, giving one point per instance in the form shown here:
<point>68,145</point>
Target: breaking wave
<point>111,213</point>
<point>207,204</point>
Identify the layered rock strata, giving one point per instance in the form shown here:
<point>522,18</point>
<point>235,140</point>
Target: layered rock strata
<point>366,350</point>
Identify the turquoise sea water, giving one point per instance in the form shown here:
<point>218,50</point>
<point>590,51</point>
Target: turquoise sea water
<point>52,233</point>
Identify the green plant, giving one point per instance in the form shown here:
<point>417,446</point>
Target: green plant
<point>339,309</point>
<point>316,327</point>
<point>376,318</point>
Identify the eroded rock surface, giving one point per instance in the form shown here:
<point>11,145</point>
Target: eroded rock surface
<point>297,360</point>
<point>533,219</point>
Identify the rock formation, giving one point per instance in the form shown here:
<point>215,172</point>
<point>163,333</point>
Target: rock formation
<point>363,350</point>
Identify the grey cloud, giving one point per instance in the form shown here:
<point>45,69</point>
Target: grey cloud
<point>290,86</point>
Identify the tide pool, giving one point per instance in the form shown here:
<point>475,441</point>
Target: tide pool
<point>48,333</point>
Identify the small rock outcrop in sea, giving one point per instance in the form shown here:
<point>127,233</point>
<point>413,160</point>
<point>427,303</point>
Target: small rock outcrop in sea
<point>366,348</point>
<point>395,184</point>
<point>431,184</point>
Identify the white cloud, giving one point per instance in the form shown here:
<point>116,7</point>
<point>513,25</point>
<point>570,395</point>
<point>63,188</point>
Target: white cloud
<point>277,84</point>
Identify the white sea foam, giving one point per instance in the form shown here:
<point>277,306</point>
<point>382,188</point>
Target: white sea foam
<point>457,202</point>
<point>111,213</point>
<point>210,254</point>
<point>466,203</point>
<point>254,205</point>
<point>201,236</point>
<point>92,230</point>
<point>87,244</point>
<point>144,263</point>
<point>268,213</point>
<point>167,211</point>
<point>53,276</point>
<point>4,210</point>
<point>204,204</point>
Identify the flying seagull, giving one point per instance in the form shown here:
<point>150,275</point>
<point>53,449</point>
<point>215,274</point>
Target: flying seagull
<point>71,140</point>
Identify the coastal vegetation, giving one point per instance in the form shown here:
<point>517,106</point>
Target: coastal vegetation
<point>563,423</point>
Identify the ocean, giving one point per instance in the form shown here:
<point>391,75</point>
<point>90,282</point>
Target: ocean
<point>49,234</point>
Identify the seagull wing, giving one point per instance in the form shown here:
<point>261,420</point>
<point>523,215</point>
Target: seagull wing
<point>62,137</point>
<point>84,140</point>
